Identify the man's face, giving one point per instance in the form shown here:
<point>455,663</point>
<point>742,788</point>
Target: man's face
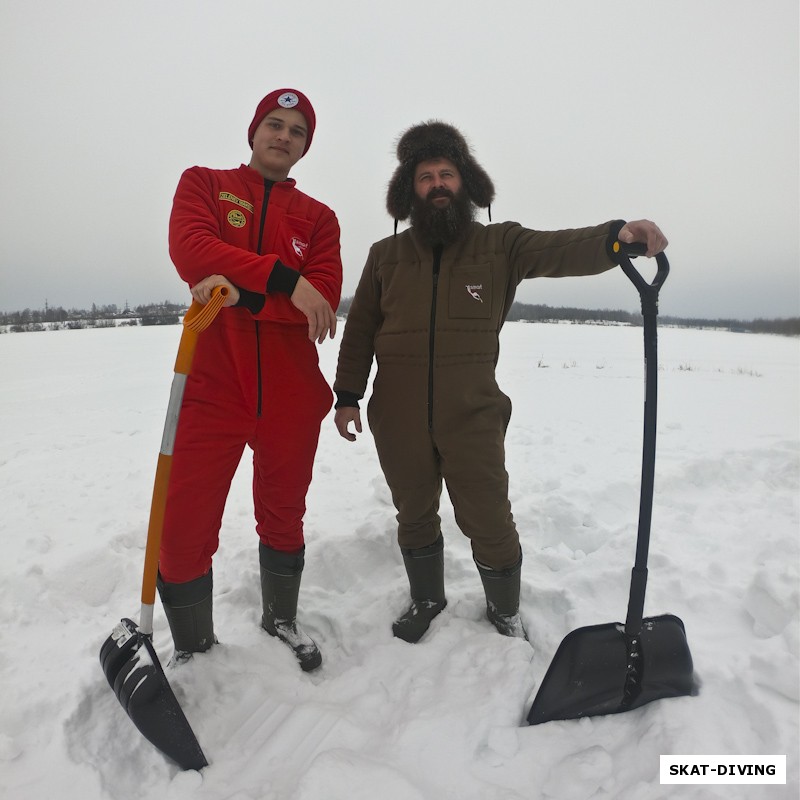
<point>441,210</point>
<point>279,142</point>
<point>437,181</point>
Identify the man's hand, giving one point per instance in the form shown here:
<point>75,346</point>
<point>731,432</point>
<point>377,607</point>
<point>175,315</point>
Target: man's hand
<point>202,291</point>
<point>343,417</point>
<point>643,230</point>
<point>318,311</point>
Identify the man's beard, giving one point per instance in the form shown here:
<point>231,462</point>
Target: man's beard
<point>442,225</point>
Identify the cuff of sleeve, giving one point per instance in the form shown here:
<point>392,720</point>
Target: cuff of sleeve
<point>613,233</point>
<point>282,279</point>
<point>252,301</point>
<point>346,399</point>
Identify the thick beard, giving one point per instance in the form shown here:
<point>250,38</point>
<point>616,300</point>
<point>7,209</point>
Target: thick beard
<point>442,225</point>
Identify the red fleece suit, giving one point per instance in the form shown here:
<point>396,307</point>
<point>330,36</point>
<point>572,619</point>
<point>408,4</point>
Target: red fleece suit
<point>255,378</point>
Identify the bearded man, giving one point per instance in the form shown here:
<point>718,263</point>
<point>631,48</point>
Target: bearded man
<point>429,308</point>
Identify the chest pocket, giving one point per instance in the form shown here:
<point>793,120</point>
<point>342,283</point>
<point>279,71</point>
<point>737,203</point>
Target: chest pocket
<point>470,295</point>
<point>293,245</point>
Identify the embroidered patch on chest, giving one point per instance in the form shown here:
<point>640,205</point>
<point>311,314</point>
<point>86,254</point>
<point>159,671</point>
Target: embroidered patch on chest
<point>299,246</point>
<point>232,198</point>
<point>474,291</point>
<point>236,218</point>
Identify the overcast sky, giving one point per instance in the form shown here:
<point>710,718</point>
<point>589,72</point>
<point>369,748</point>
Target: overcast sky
<point>684,112</point>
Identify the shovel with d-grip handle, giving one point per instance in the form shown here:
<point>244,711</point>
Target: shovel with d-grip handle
<point>128,657</point>
<point>608,669</point>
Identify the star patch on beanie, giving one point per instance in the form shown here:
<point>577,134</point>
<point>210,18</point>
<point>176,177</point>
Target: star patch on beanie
<point>426,141</point>
<point>284,98</point>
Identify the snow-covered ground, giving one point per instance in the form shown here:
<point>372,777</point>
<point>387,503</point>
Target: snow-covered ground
<point>81,415</point>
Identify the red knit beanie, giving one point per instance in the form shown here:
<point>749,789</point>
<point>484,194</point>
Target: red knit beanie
<point>284,98</point>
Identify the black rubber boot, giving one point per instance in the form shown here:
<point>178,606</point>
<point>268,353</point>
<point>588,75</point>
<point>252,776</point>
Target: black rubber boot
<point>425,569</point>
<point>188,607</point>
<point>502,598</point>
<point>280,588</point>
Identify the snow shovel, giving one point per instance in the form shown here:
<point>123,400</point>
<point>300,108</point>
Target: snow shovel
<point>128,657</point>
<point>608,669</point>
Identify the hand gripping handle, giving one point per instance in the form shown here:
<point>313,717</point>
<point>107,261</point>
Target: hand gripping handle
<point>195,321</point>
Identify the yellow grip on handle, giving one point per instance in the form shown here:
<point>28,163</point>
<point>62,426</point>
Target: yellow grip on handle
<point>197,319</point>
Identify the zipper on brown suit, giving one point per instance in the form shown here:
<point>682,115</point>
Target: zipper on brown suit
<point>437,263</point>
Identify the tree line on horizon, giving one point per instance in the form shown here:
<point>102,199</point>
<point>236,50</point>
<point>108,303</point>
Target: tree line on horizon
<point>527,312</point>
<point>97,316</point>
<point>168,313</point>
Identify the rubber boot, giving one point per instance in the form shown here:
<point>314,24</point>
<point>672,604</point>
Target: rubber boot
<point>502,598</point>
<point>280,588</point>
<point>425,569</point>
<point>188,607</point>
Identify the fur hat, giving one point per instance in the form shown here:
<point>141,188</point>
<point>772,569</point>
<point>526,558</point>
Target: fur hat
<point>429,140</point>
<point>284,98</point>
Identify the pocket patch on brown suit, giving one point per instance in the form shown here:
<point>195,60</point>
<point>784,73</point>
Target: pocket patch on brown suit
<point>471,292</point>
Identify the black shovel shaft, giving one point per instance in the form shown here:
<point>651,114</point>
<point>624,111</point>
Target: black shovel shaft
<point>648,292</point>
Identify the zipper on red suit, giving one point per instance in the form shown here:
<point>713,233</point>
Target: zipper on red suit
<point>437,263</point>
<point>262,227</point>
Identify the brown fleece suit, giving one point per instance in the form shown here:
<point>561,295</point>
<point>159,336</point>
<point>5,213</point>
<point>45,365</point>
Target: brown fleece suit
<point>432,321</point>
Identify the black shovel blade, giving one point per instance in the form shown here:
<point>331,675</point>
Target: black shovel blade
<point>602,670</point>
<point>134,672</point>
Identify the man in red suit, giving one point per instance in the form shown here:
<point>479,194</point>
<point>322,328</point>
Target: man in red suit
<point>255,376</point>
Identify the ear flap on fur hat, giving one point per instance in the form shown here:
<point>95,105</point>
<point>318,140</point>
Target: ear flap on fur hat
<point>428,140</point>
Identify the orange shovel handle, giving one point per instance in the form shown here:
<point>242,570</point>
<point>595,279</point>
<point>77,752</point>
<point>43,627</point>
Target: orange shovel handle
<point>196,320</point>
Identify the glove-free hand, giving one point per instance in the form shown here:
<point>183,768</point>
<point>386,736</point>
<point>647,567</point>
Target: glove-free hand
<point>342,419</point>
<point>645,231</point>
<point>202,291</point>
<point>318,311</point>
